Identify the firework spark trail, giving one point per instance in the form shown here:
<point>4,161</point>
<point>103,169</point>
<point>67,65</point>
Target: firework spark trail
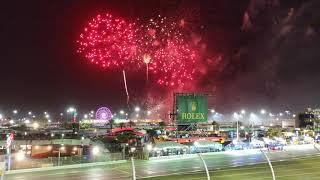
<point>125,85</point>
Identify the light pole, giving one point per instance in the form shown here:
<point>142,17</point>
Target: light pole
<point>59,155</point>
<point>236,117</point>
<point>73,111</point>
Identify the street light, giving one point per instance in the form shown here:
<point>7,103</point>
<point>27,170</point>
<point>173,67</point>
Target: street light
<point>1,116</point>
<point>212,110</point>
<point>30,113</point>
<point>148,112</point>
<point>243,111</point>
<point>121,112</point>
<point>263,111</point>
<point>62,148</point>
<point>149,147</point>
<point>11,121</point>
<point>95,150</point>
<point>47,116</point>
<point>15,111</point>
<point>85,116</point>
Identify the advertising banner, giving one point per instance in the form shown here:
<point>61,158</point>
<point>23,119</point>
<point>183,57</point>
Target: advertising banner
<point>192,109</point>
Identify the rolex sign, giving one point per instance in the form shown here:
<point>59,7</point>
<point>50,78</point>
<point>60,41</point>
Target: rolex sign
<point>192,109</point>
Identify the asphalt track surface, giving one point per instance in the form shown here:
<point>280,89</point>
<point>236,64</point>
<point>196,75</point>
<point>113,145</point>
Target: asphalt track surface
<point>171,166</point>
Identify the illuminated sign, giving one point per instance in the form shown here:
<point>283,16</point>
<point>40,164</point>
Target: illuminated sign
<point>192,109</point>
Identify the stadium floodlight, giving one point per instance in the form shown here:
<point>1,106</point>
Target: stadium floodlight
<point>137,109</point>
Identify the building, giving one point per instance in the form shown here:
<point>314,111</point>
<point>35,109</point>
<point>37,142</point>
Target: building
<point>309,118</point>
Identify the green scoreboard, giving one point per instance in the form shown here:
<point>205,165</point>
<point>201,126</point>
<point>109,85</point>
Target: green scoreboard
<point>191,109</point>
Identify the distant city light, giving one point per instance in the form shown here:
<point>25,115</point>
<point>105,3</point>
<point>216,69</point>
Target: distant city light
<point>149,147</point>
<point>20,156</point>
<point>137,109</point>
<point>35,125</point>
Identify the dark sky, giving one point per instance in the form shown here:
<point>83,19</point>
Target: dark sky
<point>272,62</point>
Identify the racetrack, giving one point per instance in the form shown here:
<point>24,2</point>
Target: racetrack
<point>223,165</point>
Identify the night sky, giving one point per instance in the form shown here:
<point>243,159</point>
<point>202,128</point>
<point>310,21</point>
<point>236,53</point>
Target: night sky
<point>268,60</point>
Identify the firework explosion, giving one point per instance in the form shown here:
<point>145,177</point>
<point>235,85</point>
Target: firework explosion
<point>171,59</point>
<point>159,43</point>
<point>108,42</point>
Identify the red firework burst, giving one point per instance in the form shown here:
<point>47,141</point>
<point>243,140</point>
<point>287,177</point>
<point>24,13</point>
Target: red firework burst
<point>174,64</point>
<point>108,42</point>
<point>172,60</point>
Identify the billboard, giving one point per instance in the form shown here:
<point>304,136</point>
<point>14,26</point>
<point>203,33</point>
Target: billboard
<point>192,109</point>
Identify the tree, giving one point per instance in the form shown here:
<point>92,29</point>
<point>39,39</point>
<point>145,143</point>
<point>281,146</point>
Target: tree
<point>162,124</point>
<point>215,125</point>
<point>122,125</point>
<point>274,132</point>
<point>111,122</point>
<point>131,123</point>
